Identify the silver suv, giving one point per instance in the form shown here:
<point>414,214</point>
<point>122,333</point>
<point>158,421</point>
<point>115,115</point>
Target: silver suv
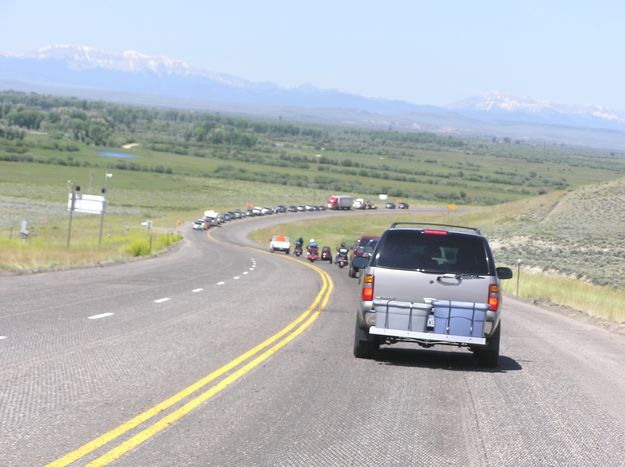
<point>431,284</point>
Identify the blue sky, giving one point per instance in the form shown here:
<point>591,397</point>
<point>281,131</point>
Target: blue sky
<point>434,52</point>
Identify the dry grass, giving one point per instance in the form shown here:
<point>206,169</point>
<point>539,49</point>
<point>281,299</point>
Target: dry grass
<point>595,300</point>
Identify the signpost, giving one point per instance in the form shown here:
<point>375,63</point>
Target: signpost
<point>148,226</point>
<point>104,190</point>
<point>86,204</point>
<point>70,208</point>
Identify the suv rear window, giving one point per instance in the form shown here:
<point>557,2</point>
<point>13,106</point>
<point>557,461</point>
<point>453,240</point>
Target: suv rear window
<point>449,253</point>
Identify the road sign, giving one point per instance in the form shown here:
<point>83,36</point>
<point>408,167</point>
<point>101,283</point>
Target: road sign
<point>87,204</point>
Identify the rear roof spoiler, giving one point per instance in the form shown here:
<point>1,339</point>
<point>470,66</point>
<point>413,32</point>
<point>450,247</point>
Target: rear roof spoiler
<point>427,224</point>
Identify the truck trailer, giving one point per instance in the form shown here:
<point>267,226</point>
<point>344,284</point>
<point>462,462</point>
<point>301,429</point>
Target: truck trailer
<point>340,202</point>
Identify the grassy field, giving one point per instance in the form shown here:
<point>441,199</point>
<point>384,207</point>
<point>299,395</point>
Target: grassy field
<point>194,148</point>
<point>556,208</point>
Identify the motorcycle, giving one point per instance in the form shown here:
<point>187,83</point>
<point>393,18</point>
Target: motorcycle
<point>341,258</point>
<point>313,254</point>
<point>298,250</point>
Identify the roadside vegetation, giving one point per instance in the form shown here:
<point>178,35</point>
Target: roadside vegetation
<point>556,208</point>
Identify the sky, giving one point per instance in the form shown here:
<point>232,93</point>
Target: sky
<point>425,52</point>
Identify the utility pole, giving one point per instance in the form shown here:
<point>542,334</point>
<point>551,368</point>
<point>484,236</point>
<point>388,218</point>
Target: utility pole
<point>104,190</point>
<point>518,275</point>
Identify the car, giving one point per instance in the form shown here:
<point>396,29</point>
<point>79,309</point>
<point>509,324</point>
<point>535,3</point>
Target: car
<point>390,206</point>
<point>308,207</point>
<point>265,211</point>
<point>279,209</point>
<point>300,208</point>
<point>292,208</point>
<point>361,252</point>
<point>280,243</point>
<point>201,224</point>
<point>403,206</point>
<point>326,254</point>
<point>431,284</point>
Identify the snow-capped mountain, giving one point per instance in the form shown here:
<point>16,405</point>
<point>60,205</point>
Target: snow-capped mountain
<point>136,77</point>
<point>158,76</point>
<point>81,57</point>
<point>498,106</point>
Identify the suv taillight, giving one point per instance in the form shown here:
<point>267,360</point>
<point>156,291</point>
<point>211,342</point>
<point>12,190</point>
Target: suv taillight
<point>493,297</point>
<point>367,287</point>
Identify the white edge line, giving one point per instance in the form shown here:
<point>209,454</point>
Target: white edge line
<point>221,283</point>
<point>251,269</point>
<point>3,337</point>
<point>196,290</point>
<point>162,300</point>
<point>103,315</point>
<point>236,277</point>
<point>245,273</point>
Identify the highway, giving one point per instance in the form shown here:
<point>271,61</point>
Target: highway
<point>220,353</point>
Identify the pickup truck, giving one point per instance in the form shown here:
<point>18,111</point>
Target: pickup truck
<point>280,243</point>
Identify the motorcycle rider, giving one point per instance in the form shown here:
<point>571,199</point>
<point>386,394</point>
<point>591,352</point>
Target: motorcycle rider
<point>299,242</point>
<point>311,243</point>
<point>341,251</point>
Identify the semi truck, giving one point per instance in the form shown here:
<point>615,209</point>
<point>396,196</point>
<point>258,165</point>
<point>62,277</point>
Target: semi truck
<point>340,202</point>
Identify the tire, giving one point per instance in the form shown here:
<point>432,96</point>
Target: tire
<point>352,273</point>
<point>488,357</point>
<point>288,252</point>
<point>363,347</point>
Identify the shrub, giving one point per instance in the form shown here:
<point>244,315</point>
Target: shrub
<point>138,248</point>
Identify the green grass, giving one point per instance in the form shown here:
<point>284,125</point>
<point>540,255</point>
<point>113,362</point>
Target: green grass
<point>603,302</point>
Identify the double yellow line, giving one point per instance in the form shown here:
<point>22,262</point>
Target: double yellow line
<point>253,357</point>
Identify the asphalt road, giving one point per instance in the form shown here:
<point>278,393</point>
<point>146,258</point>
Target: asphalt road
<point>138,362</point>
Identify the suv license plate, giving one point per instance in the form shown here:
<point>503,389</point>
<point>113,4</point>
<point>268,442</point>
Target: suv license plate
<point>430,323</point>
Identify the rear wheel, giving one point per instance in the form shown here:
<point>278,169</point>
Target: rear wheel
<point>488,357</point>
<point>363,347</point>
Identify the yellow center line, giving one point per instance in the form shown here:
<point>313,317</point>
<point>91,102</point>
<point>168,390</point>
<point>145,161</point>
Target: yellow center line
<point>173,417</point>
<point>320,302</point>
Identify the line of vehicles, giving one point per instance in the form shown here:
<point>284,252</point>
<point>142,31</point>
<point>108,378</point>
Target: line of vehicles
<point>339,202</point>
<point>429,284</point>
<point>335,202</point>
<point>213,218</point>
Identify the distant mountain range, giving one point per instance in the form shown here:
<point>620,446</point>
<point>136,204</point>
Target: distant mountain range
<point>134,77</point>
